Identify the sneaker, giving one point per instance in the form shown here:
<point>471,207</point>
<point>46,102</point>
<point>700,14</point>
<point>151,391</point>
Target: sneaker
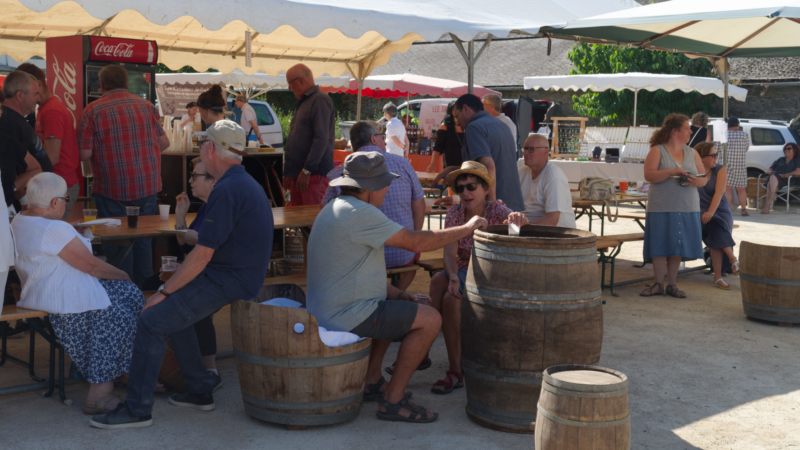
<point>203,402</point>
<point>217,381</point>
<point>120,417</point>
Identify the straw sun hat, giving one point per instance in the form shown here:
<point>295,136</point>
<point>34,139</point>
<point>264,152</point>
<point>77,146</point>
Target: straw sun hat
<point>472,168</point>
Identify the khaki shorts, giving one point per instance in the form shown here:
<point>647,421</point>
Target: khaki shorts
<point>391,321</point>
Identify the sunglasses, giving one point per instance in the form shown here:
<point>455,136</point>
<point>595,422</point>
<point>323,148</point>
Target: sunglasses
<point>788,149</point>
<point>470,187</point>
<point>713,155</point>
<point>193,175</point>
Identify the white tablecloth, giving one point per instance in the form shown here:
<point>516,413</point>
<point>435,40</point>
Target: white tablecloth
<point>578,170</point>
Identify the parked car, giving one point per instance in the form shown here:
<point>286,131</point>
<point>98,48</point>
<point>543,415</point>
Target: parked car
<point>267,120</point>
<point>767,138</point>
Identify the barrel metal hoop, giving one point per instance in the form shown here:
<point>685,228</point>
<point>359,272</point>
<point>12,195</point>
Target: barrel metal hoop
<point>533,259</point>
<point>536,251</point>
<point>779,318</point>
<point>576,423</point>
<point>499,375</point>
<point>547,375</point>
<point>569,393</point>
<point>302,419</point>
<point>502,416</point>
<point>770,281</point>
<point>494,297</point>
<point>771,308</point>
<point>294,406</point>
<point>301,363</point>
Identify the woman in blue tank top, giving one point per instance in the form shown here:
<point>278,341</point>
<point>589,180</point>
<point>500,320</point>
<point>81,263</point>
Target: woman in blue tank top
<point>672,229</point>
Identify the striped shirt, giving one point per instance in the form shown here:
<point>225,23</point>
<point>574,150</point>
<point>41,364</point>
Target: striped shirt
<point>122,130</point>
<point>396,204</point>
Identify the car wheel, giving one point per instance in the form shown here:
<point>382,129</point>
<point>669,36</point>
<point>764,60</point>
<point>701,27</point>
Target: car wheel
<point>754,173</point>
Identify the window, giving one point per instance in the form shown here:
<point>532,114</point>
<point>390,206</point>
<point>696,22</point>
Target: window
<point>766,136</point>
<point>263,116</point>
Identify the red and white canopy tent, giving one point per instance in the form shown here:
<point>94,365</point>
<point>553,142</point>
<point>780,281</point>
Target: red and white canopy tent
<point>404,85</point>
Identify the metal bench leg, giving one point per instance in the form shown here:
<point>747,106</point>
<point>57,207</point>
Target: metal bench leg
<point>611,259</point>
<point>46,330</point>
<point>31,352</point>
<point>639,222</point>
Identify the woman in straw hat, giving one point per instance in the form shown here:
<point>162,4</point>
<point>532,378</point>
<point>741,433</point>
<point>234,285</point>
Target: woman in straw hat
<point>472,183</point>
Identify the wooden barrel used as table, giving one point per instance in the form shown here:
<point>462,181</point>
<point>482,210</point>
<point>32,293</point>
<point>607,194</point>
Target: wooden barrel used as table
<point>770,278</point>
<point>531,302</point>
<point>293,378</point>
<point>583,407</point>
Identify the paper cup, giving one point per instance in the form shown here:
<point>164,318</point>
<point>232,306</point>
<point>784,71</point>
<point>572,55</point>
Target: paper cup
<point>513,230</point>
<point>164,211</point>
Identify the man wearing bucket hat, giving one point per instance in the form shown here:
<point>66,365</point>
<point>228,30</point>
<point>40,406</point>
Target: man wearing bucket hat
<point>215,273</point>
<point>347,288</point>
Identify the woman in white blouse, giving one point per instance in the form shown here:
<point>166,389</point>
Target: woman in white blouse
<point>92,305</point>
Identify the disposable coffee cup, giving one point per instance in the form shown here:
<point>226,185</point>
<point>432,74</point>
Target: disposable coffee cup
<point>164,211</point>
<point>513,230</point>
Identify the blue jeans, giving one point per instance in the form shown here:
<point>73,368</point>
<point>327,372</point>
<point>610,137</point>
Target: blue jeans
<point>139,263</point>
<point>173,317</point>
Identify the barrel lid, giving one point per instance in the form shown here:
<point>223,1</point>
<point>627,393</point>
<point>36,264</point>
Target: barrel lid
<point>537,234</point>
<point>585,378</point>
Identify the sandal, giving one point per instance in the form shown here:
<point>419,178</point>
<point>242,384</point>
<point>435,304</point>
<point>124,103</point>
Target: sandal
<point>426,363</point>
<point>448,383</point>
<point>373,391</point>
<point>392,413</point>
<point>651,290</point>
<point>673,291</point>
<point>735,268</point>
<point>745,213</point>
<point>722,284</point>
<point>93,409</point>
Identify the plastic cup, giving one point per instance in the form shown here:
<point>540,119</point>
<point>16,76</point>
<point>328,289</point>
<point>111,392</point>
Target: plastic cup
<point>513,230</point>
<point>164,211</point>
<point>623,186</point>
<point>169,264</point>
<point>133,216</point>
<point>89,214</point>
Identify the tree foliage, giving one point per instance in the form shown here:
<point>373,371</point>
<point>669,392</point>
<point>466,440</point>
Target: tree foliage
<point>616,108</point>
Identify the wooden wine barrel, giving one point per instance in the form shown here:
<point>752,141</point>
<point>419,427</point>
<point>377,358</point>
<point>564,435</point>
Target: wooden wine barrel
<point>293,378</point>
<point>583,407</point>
<point>531,302</point>
<point>770,278</point>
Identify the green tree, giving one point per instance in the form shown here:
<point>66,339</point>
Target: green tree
<point>616,108</point>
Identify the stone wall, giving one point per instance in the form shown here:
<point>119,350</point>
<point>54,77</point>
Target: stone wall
<point>775,103</point>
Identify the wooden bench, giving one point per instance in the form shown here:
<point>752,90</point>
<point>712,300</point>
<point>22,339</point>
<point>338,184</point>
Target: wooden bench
<point>613,245</point>
<point>431,265</point>
<point>39,322</point>
<point>432,192</point>
<point>639,218</point>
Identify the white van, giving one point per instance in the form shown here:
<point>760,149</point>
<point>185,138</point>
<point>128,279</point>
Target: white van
<point>767,138</point>
<point>268,122</point>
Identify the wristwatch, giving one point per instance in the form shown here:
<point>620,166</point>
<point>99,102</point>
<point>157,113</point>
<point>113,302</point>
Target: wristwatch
<point>162,291</point>
<point>306,172</point>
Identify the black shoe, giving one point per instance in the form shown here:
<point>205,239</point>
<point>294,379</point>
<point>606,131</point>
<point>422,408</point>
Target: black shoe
<point>120,417</point>
<point>217,381</point>
<point>203,402</point>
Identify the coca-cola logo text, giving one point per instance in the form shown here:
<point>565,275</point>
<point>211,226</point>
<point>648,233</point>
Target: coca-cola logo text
<point>120,50</point>
<point>66,78</point>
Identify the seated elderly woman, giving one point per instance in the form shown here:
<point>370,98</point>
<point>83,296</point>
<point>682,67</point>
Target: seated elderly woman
<point>472,183</point>
<point>93,306</point>
<point>716,217</point>
<point>780,171</point>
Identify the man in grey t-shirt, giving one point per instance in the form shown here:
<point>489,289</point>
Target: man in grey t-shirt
<point>347,288</point>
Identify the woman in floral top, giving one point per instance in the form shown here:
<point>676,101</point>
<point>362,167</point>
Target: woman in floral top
<point>472,183</point>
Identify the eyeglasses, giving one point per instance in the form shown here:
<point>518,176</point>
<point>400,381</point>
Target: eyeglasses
<point>713,155</point>
<point>381,135</point>
<point>193,175</point>
<point>532,149</point>
<point>470,187</point>
<point>66,199</point>
<point>290,83</point>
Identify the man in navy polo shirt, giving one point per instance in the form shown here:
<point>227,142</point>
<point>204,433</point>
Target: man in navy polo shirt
<point>228,263</point>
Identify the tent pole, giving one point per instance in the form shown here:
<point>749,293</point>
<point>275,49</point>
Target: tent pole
<point>635,105</point>
<point>358,102</point>
<point>722,66</point>
<point>470,58</point>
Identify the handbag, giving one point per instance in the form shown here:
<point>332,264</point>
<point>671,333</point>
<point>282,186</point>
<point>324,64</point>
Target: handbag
<point>602,189</point>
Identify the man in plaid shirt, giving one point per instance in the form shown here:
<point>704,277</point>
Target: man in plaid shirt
<point>404,202</point>
<point>122,136</point>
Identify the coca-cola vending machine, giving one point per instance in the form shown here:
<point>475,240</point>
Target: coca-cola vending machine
<point>74,62</point>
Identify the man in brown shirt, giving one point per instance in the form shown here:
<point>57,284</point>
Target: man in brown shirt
<point>309,150</point>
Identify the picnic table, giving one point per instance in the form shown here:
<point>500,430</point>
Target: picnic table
<point>426,177</point>
<point>588,207</point>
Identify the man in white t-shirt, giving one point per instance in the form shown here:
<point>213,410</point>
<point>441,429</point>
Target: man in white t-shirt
<point>188,120</point>
<point>545,188</point>
<point>396,142</point>
<point>494,106</point>
<point>248,121</point>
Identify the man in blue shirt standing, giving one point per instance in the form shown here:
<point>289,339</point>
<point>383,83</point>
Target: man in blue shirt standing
<point>488,142</point>
<point>229,262</point>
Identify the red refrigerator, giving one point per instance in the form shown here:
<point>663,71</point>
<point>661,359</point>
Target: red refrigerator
<point>73,64</point>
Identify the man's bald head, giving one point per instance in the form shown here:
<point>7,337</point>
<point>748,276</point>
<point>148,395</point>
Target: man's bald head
<point>536,152</point>
<point>537,140</point>
<point>300,79</point>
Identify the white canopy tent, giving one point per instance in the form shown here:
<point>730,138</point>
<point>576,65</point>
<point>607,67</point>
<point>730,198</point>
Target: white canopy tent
<point>635,82</point>
<point>329,36</point>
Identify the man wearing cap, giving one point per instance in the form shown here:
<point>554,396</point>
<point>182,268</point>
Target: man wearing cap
<point>228,263</point>
<point>545,187</point>
<point>736,164</point>
<point>347,288</point>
